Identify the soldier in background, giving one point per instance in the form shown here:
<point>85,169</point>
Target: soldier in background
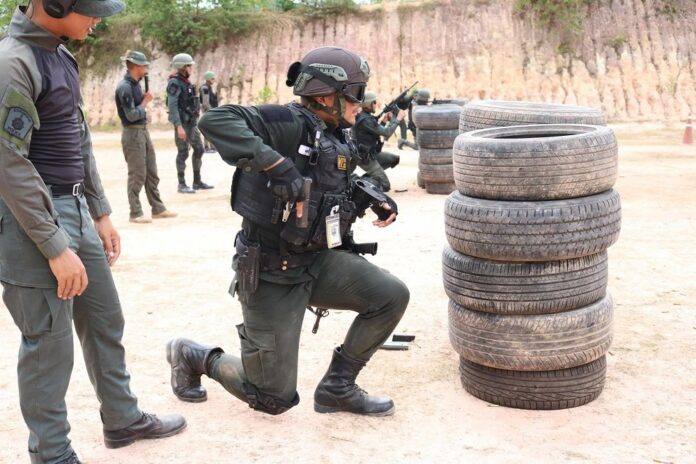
<point>404,127</point>
<point>368,132</point>
<point>135,140</point>
<point>209,100</point>
<point>184,107</point>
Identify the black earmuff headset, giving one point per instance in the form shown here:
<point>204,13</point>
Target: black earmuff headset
<point>59,8</point>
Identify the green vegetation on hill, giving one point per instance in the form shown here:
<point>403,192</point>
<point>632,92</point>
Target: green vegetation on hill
<point>176,26</point>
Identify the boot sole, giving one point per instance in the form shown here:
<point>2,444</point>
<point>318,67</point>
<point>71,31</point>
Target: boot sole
<point>123,442</point>
<point>330,409</point>
<point>181,398</point>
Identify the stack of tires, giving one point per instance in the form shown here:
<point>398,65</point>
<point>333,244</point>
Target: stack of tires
<point>436,128</point>
<point>526,266</point>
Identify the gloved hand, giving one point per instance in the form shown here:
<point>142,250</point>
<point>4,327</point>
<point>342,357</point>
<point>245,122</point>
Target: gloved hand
<point>384,213</point>
<point>286,181</point>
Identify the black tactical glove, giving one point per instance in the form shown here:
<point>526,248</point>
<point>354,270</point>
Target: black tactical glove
<point>383,213</point>
<point>286,181</point>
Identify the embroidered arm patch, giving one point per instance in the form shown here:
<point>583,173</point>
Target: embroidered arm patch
<point>173,89</point>
<point>18,117</point>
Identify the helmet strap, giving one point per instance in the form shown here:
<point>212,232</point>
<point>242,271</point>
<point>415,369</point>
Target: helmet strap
<point>336,110</point>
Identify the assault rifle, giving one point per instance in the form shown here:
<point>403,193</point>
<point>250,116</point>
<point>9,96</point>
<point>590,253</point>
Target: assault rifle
<point>146,79</point>
<point>399,103</point>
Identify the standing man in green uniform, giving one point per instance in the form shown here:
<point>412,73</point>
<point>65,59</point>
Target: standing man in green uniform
<point>184,106</point>
<point>368,132</point>
<point>56,239</point>
<point>135,140</point>
<point>284,264</point>
<point>209,100</point>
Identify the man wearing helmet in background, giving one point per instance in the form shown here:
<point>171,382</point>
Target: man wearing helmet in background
<point>184,106</point>
<point>209,99</point>
<point>284,264</point>
<point>368,132</point>
<point>57,242</point>
<point>135,140</point>
<point>423,97</point>
<point>411,126</point>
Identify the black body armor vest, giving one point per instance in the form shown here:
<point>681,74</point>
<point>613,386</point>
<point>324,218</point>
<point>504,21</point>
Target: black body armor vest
<point>328,160</point>
<point>368,143</point>
<point>188,101</point>
<point>212,96</point>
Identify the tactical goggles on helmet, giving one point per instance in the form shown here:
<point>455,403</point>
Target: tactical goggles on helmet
<point>332,76</point>
<point>354,93</point>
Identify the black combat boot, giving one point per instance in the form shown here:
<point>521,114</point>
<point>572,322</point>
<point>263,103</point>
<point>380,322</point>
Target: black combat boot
<point>337,391</point>
<point>71,460</point>
<point>189,360</point>
<point>148,427</point>
<point>183,188</point>
<point>198,184</point>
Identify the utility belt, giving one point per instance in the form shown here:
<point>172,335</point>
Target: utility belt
<point>251,259</point>
<point>135,126</point>
<point>58,190</point>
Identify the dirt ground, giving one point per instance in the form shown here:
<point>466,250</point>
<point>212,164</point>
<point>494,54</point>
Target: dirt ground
<point>173,277</point>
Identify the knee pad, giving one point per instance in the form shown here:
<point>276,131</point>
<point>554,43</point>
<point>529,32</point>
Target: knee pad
<point>268,403</point>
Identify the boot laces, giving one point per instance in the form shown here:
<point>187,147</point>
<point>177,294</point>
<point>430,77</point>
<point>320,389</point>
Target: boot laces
<point>356,387</point>
<point>148,418</point>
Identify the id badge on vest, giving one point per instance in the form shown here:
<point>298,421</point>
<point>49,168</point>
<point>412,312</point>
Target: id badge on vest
<point>333,228</point>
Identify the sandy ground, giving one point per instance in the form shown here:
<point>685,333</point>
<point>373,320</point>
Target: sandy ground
<point>173,278</point>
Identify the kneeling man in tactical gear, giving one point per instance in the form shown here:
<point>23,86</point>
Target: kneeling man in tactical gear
<point>294,191</point>
<point>368,132</point>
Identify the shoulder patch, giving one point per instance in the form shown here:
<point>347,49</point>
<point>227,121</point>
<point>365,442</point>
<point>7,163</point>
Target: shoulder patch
<point>18,122</point>
<point>275,113</point>
<point>18,117</point>
<point>173,89</point>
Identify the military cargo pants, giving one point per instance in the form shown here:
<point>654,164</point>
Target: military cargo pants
<point>374,168</point>
<point>46,348</point>
<point>193,139</point>
<point>273,315</point>
<point>142,170</point>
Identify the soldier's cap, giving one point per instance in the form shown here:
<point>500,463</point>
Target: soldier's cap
<point>136,57</point>
<point>98,8</point>
<point>209,76</point>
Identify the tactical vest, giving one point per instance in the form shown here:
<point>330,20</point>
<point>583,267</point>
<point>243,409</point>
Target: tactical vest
<point>328,160</point>
<point>368,143</point>
<point>212,96</point>
<point>188,102</point>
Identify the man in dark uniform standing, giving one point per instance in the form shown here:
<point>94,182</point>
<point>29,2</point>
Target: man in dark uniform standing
<point>368,132</point>
<point>283,264</point>
<point>209,100</point>
<point>135,140</point>
<point>184,105</point>
<point>56,239</point>
<point>411,126</point>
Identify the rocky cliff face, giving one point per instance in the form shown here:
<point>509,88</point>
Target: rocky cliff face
<point>631,60</point>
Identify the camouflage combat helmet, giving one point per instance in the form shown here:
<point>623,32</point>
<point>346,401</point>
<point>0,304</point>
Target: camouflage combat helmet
<point>423,96</point>
<point>135,57</point>
<point>368,99</point>
<point>208,76</point>
<point>93,8</point>
<point>181,60</point>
